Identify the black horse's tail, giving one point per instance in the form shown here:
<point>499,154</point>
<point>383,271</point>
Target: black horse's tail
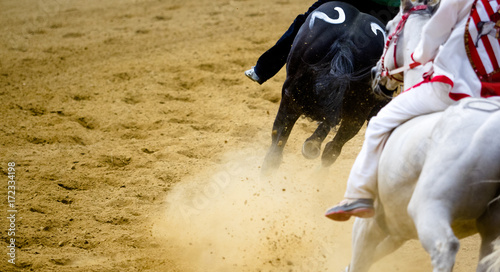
<point>335,73</point>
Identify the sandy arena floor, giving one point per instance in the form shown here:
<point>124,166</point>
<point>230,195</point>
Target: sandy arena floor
<point>137,142</point>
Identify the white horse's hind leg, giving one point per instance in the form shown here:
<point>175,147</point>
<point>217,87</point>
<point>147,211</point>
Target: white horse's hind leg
<point>491,262</point>
<point>366,235</point>
<point>370,243</point>
<point>488,227</point>
<point>387,246</point>
<point>436,235</point>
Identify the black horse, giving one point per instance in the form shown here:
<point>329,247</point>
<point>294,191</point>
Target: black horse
<point>328,80</point>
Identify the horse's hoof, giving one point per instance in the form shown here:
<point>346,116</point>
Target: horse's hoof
<point>267,171</point>
<point>327,162</point>
<point>270,165</point>
<point>311,149</point>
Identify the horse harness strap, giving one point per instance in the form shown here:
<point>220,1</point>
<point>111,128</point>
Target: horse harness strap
<point>394,38</point>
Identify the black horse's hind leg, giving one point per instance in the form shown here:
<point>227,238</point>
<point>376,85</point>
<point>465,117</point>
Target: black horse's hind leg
<point>356,108</point>
<point>311,149</point>
<point>349,127</point>
<point>283,124</point>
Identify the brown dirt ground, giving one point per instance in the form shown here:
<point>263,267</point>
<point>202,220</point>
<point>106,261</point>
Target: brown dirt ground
<point>137,142</point>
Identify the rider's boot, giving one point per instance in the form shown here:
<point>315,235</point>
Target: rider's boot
<point>362,207</point>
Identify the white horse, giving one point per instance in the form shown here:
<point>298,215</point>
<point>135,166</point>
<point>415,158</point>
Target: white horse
<point>439,175</point>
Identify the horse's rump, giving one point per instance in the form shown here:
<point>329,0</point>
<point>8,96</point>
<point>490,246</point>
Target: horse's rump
<point>334,50</point>
<point>458,145</point>
<point>335,23</point>
<point>328,80</point>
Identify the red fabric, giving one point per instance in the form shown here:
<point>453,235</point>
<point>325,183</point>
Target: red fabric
<point>486,42</point>
<point>490,80</point>
<point>440,78</point>
<point>491,86</point>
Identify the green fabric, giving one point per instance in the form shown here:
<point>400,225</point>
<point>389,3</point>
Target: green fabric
<point>390,3</point>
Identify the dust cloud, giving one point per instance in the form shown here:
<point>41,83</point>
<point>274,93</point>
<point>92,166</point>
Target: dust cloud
<point>230,218</point>
<point>233,219</point>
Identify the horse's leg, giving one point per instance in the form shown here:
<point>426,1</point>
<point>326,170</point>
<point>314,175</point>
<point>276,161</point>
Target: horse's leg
<point>283,124</point>
<point>347,130</point>
<point>387,246</point>
<point>366,236</point>
<point>432,219</point>
<point>370,243</point>
<point>354,114</point>
<point>311,149</point>
<point>488,227</point>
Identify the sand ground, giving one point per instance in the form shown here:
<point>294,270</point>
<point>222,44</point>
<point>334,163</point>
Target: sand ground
<point>137,143</point>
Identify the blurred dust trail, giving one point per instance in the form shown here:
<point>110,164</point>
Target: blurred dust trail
<point>231,219</point>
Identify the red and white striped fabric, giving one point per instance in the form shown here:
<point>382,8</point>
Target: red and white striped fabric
<point>483,45</point>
